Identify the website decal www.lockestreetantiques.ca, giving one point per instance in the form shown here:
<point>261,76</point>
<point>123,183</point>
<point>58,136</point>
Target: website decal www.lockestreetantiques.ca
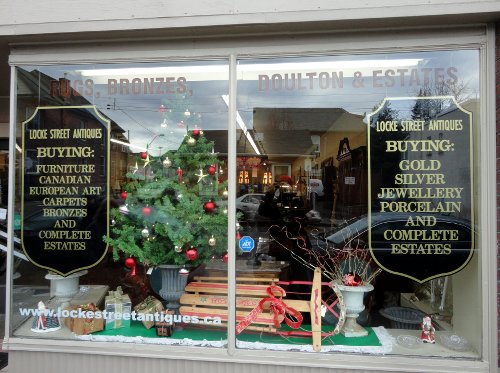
<point>134,316</point>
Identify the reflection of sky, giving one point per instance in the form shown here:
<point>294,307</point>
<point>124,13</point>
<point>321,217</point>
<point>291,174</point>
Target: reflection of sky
<point>363,99</point>
<point>140,117</point>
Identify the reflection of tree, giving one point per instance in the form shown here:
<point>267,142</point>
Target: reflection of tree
<point>427,109</point>
<point>384,165</point>
<point>176,113</point>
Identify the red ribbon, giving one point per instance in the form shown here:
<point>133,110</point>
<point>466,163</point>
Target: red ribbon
<point>292,317</point>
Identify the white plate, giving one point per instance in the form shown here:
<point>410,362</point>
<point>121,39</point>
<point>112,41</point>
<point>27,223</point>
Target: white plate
<point>409,341</point>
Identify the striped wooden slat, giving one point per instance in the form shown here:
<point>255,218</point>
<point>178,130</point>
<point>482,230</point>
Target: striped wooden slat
<point>241,302</point>
<point>200,312</point>
<point>241,289</point>
<point>238,279</point>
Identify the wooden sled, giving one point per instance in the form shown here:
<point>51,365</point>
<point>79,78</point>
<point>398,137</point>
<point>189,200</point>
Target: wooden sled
<point>207,297</point>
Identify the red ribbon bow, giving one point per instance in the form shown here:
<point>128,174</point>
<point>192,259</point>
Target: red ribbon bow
<point>292,317</point>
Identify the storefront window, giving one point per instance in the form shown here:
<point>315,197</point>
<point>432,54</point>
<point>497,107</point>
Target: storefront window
<point>356,204</point>
<point>121,200</point>
<point>357,213</point>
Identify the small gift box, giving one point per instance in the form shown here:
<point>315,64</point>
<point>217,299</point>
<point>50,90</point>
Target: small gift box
<point>146,311</point>
<point>165,325</point>
<point>118,308</point>
<point>84,319</point>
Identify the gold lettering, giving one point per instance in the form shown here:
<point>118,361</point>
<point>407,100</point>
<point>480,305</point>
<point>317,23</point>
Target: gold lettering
<point>419,179</point>
<point>64,152</point>
<point>423,206</point>
<point>386,126</point>
<point>55,245</point>
<point>419,145</point>
<point>421,248</point>
<point>421,235</point>
<point>53,190</point>
<point>59,133</point>
<point>427,221</point>
<point>65,224</point>
<point>421,193</point>
<point>37,134</point>
<point>65,235</point>
<point>64,201</point>
<point>64,179</point>
<point>92,191</point>
<point>87,133</point>
<point>412,125</point>
<point>65,213</point>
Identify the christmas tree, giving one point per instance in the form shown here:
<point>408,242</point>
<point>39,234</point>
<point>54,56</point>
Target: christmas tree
<point>174,211</point>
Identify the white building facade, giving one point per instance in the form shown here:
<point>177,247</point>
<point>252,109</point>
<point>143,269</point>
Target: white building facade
<point>122,116</point>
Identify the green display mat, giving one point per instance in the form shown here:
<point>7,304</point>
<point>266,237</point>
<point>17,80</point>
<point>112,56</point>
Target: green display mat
<point>137,329</point>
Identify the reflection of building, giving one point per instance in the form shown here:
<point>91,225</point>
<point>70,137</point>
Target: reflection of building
<point>303,144</point>
<point>454,165</point>
<point>351,197</point>
<point>30,83</point>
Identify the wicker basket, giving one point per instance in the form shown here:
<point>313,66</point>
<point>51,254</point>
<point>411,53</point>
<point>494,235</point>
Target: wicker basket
<point>403,317</point>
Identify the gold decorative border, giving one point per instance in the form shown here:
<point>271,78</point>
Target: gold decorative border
<point>107,124</point>
<point>471,166</point>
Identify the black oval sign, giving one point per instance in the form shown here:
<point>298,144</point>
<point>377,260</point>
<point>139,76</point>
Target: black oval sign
<point>65,188</point>
<point>421,214</point>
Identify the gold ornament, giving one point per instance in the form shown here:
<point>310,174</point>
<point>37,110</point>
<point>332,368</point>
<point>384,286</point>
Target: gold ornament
<point>167,163</point>
<point>212,241</point>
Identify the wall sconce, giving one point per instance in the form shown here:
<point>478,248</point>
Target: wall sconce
<point>268,178</point>
<point>243,177</point>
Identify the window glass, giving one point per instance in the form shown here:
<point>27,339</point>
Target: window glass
<point>121,211</point>
<point>367,224</point>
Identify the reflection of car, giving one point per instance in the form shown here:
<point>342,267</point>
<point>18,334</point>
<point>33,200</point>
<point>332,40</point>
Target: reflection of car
<point>33,222</point>
<point>355,231</point>
<point>406,246</point>
<point>418,246</point>
<point>248,205</point>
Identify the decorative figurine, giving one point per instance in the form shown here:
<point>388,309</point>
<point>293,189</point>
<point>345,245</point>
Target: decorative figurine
<point>428,330</point>
<point>45,321</point>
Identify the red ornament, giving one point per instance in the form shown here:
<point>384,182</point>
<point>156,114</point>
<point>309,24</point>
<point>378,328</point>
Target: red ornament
<point>196,132</point>
<point>179,173</point>
<point>130,263</point>
<point>209,206</point>
<point>162,108</point>
<point>146,210</point>
<point>143,155</point>
<point>123,195</point>
<point>225,258</point>
<point>211,170</point>
<point>352,279</point>
<point>192,254</point>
